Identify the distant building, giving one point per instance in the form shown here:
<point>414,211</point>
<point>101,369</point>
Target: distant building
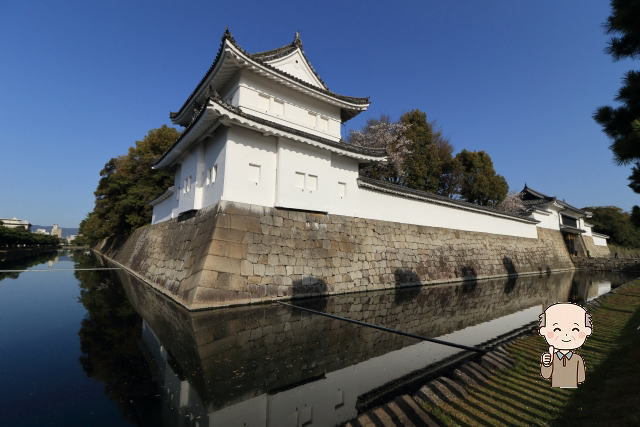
<point>56,231</point>
<point>71,238</point>
<point>16,223</point>
<point>42,231</point>
<point>571,221</point>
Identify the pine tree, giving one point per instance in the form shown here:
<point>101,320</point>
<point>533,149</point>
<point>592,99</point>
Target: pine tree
<point>622,124</point>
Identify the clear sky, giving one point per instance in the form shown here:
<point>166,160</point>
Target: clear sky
<point>81,81</point>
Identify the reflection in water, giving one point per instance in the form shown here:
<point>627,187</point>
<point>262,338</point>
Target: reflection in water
<point>22,260</point>
<point>109,337</point>
<point>273,365</point>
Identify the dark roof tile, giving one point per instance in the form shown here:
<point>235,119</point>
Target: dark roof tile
<point>343,145</point>
<point>345,113</point>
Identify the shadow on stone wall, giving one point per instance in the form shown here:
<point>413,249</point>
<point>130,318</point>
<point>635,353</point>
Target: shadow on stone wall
<point>510,269</point>
<point>470,277</point>
<point>407,285</point>
<point>307,286</point>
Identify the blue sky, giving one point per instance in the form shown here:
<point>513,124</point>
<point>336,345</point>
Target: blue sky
<point>81,81</point>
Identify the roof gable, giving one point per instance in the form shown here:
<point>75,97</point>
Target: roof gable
<point>528,193</point>
<point>230,56</point>
<point>532,198</point>
<point>297,65</point>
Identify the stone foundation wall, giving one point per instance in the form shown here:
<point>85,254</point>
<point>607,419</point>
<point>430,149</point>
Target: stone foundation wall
<point>236,254</point>
<point>593,250</point>
<point>630,265</point>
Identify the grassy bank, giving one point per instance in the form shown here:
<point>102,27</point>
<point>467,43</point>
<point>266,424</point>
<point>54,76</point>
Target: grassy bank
<point>609,396</point>
<point>512,392</point>
<point>624,252</point>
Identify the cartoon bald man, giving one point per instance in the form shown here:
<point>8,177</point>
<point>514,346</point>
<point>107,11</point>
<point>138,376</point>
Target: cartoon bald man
<point>565,326</point>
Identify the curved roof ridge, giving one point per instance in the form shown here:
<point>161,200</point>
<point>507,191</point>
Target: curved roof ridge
<point>227,36</point>
<point>281,52</point>
<point>537,193</point>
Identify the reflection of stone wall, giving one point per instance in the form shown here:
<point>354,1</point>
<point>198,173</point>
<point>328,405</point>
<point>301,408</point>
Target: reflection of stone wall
<point>236,253</point>
<point>233,354</point>
<point>595,251</point>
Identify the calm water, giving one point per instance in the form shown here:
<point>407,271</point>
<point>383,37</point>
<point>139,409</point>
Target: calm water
<point>95,347</point>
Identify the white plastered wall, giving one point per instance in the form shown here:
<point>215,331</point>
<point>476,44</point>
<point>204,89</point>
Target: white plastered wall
<point>344,186</point>
<point>387,207</point>
<point>250,173</point>
<point>214,156</point>
<point>599,241</point>
<point>263,98</point>
<point>163,211</point>
<point>188,168</point>
<point>548,219</point>
<point>261,170</point>
<point>305,178</point>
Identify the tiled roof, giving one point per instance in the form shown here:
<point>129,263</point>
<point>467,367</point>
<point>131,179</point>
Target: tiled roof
<point>379,152</point>
<point>571,229</point>
<point>535,193</point>
<point>543,198</point>
<point>536,202</point>
<point>228,37</point>
<point>342,145</point>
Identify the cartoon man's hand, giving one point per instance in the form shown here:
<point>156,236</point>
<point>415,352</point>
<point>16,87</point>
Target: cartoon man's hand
<point>547,357</point>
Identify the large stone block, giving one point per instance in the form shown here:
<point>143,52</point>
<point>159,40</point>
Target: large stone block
<point>234,252</point>
<point>222,264</point>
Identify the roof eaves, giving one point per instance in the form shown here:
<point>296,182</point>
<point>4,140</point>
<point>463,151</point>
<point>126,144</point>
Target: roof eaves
<point>374,152</point>
<point>570,207</point>
<point>164,196</point>
<point>342,145</point>
<point>535,192</point>
<point>195,120</point>
<point>227,37</point>
<point>571,229</point>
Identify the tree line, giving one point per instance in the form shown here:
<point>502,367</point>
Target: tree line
<point>127,184</point>
<point>421,158</point>
<point>623,228</point>
<point>12,237</point>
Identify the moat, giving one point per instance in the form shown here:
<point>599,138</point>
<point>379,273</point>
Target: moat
<point>84,344</point>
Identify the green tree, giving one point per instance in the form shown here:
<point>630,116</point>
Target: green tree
<point>429,165</point>
<point>420,157</point>
<point>622,124</point>
<point>615,223</point>
<point>11,237</point>
<point>109,338</point>
<point>480,183</point>
<point>127,185</point>
<point>635,216</point>
<point>383,133</point>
